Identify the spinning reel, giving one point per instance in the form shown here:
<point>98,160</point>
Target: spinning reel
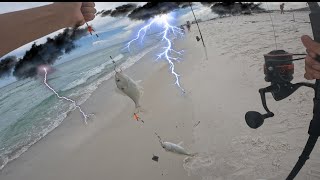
<point>278,70</point>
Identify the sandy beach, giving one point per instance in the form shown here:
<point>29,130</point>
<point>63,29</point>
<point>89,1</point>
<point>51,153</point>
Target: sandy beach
<point>219,91</point>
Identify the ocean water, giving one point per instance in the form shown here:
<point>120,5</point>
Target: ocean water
<point>29,110</point>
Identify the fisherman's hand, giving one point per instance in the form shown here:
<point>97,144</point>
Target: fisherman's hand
<point>312,66</point>
<point>76,13</point>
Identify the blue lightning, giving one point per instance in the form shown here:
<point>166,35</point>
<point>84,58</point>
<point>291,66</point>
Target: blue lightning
<point>168,50</point>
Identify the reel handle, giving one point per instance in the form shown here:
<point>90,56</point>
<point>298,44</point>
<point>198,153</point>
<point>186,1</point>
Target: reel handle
<point>255,119</point>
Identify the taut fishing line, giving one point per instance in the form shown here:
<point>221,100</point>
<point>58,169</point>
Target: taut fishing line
<point>274,32</point>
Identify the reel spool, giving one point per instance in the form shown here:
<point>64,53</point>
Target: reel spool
<point>278,67</point>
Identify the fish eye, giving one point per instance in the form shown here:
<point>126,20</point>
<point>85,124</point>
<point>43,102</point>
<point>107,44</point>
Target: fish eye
<point>117,80</point>
<point>122,88</point>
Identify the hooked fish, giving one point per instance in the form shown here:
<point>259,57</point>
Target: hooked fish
<point>176,148</point>
<point>130,88</point>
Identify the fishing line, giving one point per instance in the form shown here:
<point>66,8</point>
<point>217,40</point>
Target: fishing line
<point>274,32</point>
<point>91,29</point>
<point>204,46</point>
<point>294,22</point>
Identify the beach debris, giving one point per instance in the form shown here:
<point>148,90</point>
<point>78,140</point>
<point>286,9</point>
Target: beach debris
<point>174,148</point>
<point>155,158</point>
<point>196,124</point>
<point>130,88</point>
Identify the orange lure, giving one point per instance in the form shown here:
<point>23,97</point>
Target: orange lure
<point>137,118</point>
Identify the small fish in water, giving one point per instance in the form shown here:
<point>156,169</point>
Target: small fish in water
<point>130,88</point>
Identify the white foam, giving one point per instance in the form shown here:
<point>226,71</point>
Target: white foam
<point>118,57</point>
<point>41,134</point>
<point>86,93</point>
<point>92,72</point>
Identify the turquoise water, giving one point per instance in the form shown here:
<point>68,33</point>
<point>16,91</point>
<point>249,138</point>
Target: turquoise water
<point>29,110</point>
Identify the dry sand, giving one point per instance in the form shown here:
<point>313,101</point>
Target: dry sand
<point>219,91</point>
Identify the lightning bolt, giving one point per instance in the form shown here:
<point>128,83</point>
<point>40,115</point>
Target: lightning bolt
<point>168,50</point>
<point>62,97</point>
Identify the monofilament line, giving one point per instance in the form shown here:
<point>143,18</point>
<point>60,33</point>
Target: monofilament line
<point>274,32</point>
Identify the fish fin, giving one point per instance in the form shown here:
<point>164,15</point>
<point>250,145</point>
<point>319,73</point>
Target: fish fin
<point>120,92</point>
<point>180,143</point>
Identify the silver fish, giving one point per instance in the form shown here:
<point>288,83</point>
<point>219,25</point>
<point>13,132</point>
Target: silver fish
<point>176,148</point>
<point>130,88</point>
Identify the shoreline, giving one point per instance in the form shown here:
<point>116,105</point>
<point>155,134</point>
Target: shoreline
<point>71,135</point>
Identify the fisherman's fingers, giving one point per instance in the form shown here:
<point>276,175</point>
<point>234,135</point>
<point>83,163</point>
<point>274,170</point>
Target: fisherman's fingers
<point>312,66</point>
<point>88,4</point>
<point>312,69</point>
<point>88,11</point>
<point>313,48</point>
<point>88,17</point>
<point>307,74</point>
<point>311,53</point>
<point>310,61</point>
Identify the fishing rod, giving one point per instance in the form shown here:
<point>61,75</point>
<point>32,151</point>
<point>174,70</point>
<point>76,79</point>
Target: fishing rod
<point>278,70</point>
<point>204,46</point>
<point>197,24</point>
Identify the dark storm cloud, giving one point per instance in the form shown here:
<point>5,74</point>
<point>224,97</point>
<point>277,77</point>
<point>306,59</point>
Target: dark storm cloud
<point>42,54</point>
<point>145,12</point>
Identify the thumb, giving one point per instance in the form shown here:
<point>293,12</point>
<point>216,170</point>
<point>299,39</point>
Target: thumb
<point>310,44</point>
